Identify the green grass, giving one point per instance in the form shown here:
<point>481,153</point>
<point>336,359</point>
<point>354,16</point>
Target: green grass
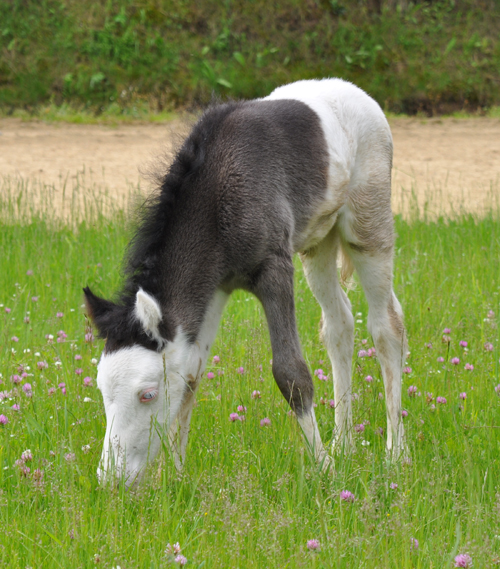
<point>251,496</point>
<point>144,113</point>
<point>432,57</point>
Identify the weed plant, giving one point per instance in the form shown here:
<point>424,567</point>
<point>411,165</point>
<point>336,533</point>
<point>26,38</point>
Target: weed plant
<point>250,495</point>
<point>120,56</point>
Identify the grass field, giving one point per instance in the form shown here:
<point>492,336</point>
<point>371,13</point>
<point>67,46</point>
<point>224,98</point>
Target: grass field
<point>250,495</point>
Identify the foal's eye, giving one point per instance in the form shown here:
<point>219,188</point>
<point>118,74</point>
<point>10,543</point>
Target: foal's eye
<point>149,395</point>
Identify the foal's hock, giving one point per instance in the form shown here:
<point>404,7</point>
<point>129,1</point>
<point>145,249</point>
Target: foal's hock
<point>306,169</point>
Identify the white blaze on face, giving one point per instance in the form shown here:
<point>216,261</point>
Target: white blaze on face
<point>133,386</point>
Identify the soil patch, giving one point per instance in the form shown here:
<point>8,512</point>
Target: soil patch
<point>450,164</point>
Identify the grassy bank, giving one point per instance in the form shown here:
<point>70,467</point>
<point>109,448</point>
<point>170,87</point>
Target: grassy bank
<point>122,56</point>
<point>250,496</point>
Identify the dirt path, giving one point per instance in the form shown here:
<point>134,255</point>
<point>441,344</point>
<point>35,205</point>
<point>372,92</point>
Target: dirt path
<point>452,163</point>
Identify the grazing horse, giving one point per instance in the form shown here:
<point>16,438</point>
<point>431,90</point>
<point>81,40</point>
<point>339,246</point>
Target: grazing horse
<point>306,169</point>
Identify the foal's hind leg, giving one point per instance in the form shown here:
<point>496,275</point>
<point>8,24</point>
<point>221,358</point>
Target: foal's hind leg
<point>274,288</point>
<point>320,267</point>
<point>385,324</point>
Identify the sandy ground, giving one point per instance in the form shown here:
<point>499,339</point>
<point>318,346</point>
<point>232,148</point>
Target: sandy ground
<point>452,164</point>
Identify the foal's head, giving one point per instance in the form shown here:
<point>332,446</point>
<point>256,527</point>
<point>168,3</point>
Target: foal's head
<point>132,378</point>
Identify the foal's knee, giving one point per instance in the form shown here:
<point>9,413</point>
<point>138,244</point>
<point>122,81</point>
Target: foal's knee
<point>295,383</point>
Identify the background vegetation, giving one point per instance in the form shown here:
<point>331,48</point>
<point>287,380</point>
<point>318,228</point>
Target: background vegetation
<point>433,56</point>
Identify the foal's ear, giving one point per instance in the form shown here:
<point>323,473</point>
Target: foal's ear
<point>96,307</point>
<point>148,312</point>
<point>103,313</point>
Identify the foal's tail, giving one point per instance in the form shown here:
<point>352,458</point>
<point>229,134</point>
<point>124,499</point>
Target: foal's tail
<point>346,268</point>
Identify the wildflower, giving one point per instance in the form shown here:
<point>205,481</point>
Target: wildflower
<point>455,361</point>
<point>42,365</point>
<point>234,417</point>
<point>93,361</point>
<point>38,475</point>
<point>87,381</point>
<point>469,367</point>
<point>393,486</point>
<point>216,359</point>
<point>322,377</point>
<point>490,314</point>
<point>26,319</point>
<point>7,310</point>
<point>27,455</point>
<point>15,339</point>
<point>380,432</point>
<point>407,369</point>
<point>265,422</point>
<point>463,560</point>
<point>313,544</point>
<point>489,348</point>
<point>15,378</point>
<point>372,352</point>
<point>241,370</point>
<point>347,496</point>
<point>462,344</point>
<point>89,337</point>
<point>173,549</point>
<point>440,360</point>
<point>70,457</point>
<point>441,400</point>
<point>59,315</point>
<point>3,420</point>
<point>446,339</point>
<point>15,407</point>
<point>447,331</point>
<point>27,389</point>
<point>78,371</point>
<point>29,273</point>
<point>78,357</point>
<point>241,408</point>
<point>412,390</point>
<point>428,346</point>
<point>359,428</point>
<point>256,394</point>
<point>432,407</point>
<point>86,449</point>
<point>463,396</point>
<point>34,298</point>
<point>61,336</point>
<point>210,375</point>
<point>362,354</point>
<point>51,390</point>
<point>497,389</point>
<point>368,379</point>
<point>331,403</point>
<point>181,560</point>
<point>318,372</point>
<point>413,544</point>
<point>404,413</point>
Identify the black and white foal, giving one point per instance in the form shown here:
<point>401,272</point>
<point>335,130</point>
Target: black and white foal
<point>306,169</point>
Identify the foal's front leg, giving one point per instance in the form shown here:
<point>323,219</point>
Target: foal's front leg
<point>274,288</point>
<point>179,430</point>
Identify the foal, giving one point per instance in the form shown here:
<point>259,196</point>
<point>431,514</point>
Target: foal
<point>306,169</point>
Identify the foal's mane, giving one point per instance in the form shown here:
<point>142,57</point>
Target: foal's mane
<point>157,211</point>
